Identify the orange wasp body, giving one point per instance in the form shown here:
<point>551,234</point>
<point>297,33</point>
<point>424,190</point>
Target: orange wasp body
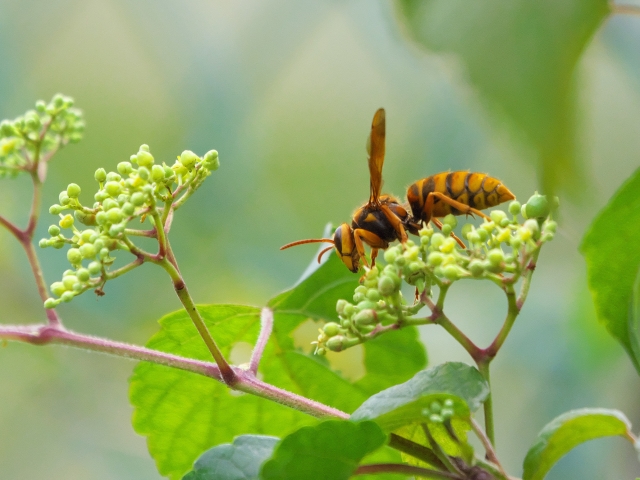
<point>384,218</point>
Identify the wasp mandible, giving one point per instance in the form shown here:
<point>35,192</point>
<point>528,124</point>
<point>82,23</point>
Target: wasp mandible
<point>378,222</point>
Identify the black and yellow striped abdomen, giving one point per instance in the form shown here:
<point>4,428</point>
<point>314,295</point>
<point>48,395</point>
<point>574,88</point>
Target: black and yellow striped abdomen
<point>475,190</point>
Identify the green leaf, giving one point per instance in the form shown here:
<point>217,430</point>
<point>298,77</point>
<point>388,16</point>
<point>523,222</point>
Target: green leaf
<point>403,404</point>
<point>240,460</point>
<point>568,431</point>
<point>182,414</point>
<point>521,57</point>
<point>613,265</point>
<point>329,450</point>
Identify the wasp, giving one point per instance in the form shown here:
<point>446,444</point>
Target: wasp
<point>384,219</point>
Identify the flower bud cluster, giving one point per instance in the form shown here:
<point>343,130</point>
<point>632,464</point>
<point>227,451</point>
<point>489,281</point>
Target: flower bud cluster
<point>140,188</point>
<point>497,249</point>
<point>439,412</point>
<point>28,139</point>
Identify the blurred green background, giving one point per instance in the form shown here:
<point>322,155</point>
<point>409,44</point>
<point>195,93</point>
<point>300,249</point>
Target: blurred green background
<point>544,96</point>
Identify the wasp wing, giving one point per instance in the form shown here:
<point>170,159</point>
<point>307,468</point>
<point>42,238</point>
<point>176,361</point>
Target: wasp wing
<point>375,149</point>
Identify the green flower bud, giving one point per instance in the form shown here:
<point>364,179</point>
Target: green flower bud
<point>144,159</point>
<point>143,173</point>
<point>66,221</point>
<point>550,226</point>
<point>57,244</point>
<point>451,272</point>
<point>116,229</point>
<point>128,209</point>
<point>435,258</point>
<point>536,207</point>
<point>435,418</point>
<point>113,188</point>
<point>50,303</point>
<point>43,243</point>
<point>400,261</point>
<point>450,220</point>
<point>188,159</point>
<point>412,253</point>
<point>476,268</point>
<point>495,256</point>
<point>366,304</point>
<point>64,198</point>
<point>95,267</point>
<point>331,329</point>
<point>532,226</point>
<point>497,216</point>
<point>114,215</point>
<point>69,281</point>
<point>137,199</point>
<point>54,230</point>
<point>446,230</point>
<point>337,343</point>
<point>101,218</point>
<point>109,203</point>
<point>373,294</point>
<point>67,296</point>
<point>366,317</point>
<point>386,285</point>
<point>211,160</point>
<point>437,239</point>
<point>32,120</point>
<point>144,148</point>
<point>168,173</point>
<point>390,255</point>
<point>88,219</point>
<point>88,250</point>
<point>58,288</point>
<point>83,275</point>
<point>340,306</point>
<point>414,267</point>
<point>483,234</point>
<point>100,175</point>
<point>358,297</point>
<point>514,208</point>
<point>349,310</point>
<point>157,173</point>
<point>124,168</point>
<point>73,190</point>
<point>447,414</point>
<point>74,256</point>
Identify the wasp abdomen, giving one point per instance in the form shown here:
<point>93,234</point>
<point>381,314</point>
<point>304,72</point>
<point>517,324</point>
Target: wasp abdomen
<point>475,190</point>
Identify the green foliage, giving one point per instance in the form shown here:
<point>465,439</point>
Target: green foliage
<point>613,267</point>
<point>521,58</point>
<point>204,413</point>
<point>405,404</point>
<point>240,460</point>
<point>568,431</point>
<point>330,450</point>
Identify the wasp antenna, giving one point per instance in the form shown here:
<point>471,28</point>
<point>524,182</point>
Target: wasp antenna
<point>309,240</point>
<point>323,252</point>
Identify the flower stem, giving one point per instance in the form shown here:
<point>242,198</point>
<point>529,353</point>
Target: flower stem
<point>228,375</point>
<point>483,367</point>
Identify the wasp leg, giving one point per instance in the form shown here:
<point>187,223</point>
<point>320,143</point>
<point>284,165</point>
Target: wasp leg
<point>395,222</point>
<point>438,224</point>
<point>461,207</point>
<point>371,239</point>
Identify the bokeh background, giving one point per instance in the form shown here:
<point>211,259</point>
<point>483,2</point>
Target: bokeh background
<point>285,91</point>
